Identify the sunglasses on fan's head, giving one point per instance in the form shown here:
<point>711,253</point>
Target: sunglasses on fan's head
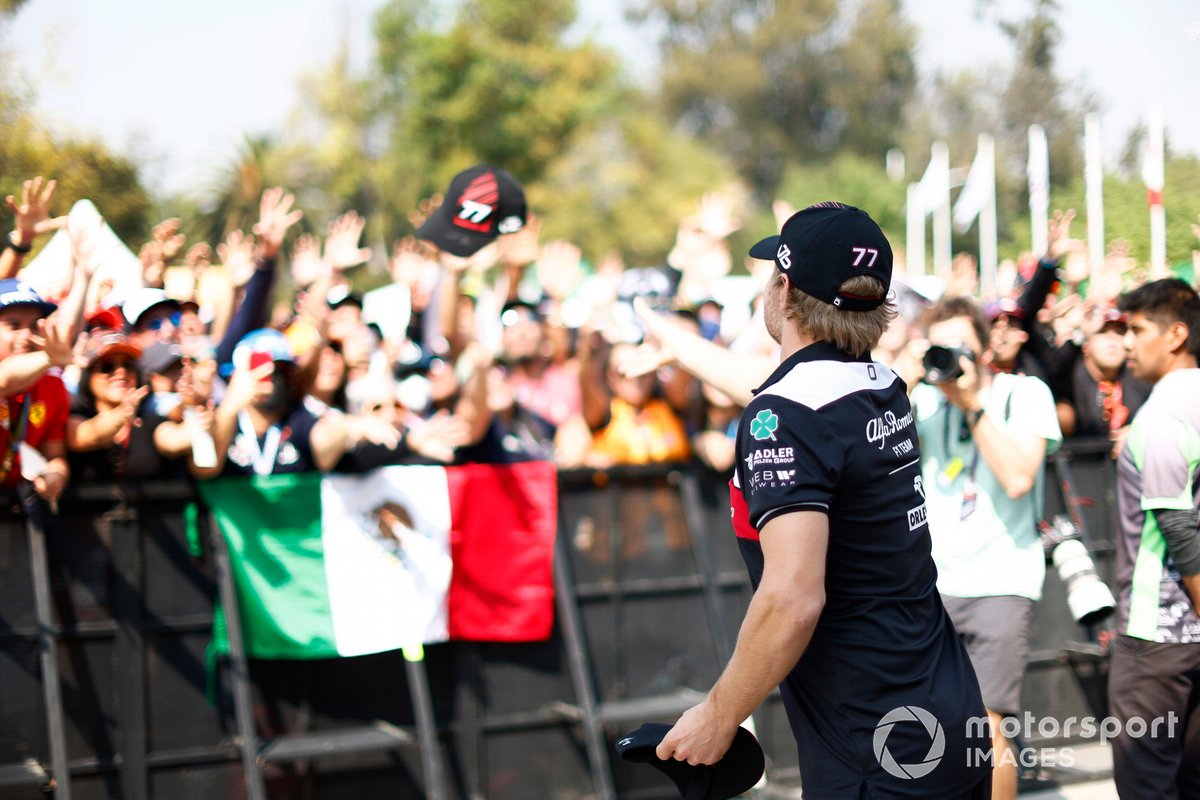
<point>156,324</point>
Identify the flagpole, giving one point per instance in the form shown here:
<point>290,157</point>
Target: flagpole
<point>914,241</point>
<point>1038,171</point>
<point>1093,173</point>
<point>987,218</point>
<point>1152,174</point>
<point>942,252</point>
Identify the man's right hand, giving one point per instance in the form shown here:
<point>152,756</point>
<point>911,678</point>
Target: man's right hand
<point>32,215</point>
<point>246,386</point>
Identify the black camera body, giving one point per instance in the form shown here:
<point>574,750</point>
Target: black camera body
<point>942,363</point>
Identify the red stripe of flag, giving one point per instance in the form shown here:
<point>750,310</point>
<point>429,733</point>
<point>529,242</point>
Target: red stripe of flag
<point>503,520</point>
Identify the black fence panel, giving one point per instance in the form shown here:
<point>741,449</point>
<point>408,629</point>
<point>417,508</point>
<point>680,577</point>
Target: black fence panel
<point>149,714</point>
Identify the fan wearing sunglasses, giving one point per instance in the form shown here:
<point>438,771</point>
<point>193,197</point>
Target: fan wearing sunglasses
<point>152,317</point>
<point>113,432</point>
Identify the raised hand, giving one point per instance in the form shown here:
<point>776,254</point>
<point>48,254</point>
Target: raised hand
<point>85,240</point>
<point>558,269</point>
<point>481,261</point>
<point>171,241</point>
<point>1058,234</point>
<point>716,217</point>
<point>306,261</point>
<point>408,262</point>
<point>341,245</point>
<point>424,210</point>
<point>55,343</point>
<point>32,215</point>
<point>275,216</point>
<point>246,386</point>
<point>521,248</point>
<point>237,254</point>
<point>371,429</point>
<point>439,436</point>
<point>199,257</point>
<point>127,409</point>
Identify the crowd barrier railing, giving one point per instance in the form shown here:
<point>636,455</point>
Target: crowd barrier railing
<point>107,688</point>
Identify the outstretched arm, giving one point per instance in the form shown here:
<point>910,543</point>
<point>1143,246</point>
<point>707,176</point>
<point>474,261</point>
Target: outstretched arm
<point>734,374</point>
<point>31,219</point>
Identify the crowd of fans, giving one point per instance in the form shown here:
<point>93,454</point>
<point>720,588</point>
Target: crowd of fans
<point>489,345</point>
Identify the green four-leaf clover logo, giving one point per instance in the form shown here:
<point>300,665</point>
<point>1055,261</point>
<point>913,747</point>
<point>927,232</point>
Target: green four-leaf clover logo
<point>764,424</point>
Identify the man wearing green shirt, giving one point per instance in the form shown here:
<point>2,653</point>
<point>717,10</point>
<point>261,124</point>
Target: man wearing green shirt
<point>1155,670</point>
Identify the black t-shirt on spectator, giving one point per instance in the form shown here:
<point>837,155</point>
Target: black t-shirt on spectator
<point>526,437</point>
<point>1095,404</point>
<point>136,459</point>
<point>294,453</point>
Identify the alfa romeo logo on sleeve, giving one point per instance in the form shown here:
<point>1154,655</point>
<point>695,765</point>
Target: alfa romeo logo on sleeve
<point>937,742</point>
<point>764,424</point>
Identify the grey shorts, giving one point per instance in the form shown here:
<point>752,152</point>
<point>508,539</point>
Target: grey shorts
<point>995,631</point>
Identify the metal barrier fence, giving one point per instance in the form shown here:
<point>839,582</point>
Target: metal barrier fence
<point>651,590</point>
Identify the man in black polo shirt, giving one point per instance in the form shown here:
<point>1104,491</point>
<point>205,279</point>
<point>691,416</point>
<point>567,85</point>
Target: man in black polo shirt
<point>829,511</point>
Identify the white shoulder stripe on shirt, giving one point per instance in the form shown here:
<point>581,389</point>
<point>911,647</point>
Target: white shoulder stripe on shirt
<point>816,384</point>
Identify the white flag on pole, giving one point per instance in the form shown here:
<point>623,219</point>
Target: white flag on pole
<point>1038,173</point>
<point>933,187</point>
<point>1152,162</point>
<point>1152,176</point>
<point>975,192</point>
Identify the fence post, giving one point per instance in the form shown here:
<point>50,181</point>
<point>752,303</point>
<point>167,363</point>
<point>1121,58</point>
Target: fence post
<point>238,669</point>
<point>48,649</point>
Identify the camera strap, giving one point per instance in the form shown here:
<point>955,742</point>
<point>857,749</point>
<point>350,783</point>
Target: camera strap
<point>954,467</point>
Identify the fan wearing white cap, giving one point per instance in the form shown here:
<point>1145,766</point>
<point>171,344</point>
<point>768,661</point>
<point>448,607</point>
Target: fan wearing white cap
<point>261,426</point>
<point>152,317</point>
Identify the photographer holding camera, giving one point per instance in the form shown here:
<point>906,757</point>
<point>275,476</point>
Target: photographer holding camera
<point>984,439</point>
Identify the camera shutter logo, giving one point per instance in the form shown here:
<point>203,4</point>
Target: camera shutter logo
<point>937,746</point>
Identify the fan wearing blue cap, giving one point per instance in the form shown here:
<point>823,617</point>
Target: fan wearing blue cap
<point>261,427</point>
<point>828,508</point>
<point>33,403</point>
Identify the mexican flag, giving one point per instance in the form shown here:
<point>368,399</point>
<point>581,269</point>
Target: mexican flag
<point>339,565</point>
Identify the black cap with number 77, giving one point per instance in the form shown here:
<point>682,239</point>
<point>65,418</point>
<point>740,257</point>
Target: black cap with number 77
<point>823,246</point>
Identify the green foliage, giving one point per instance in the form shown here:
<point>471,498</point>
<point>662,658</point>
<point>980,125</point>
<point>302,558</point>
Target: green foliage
<point>1127,215</point>
<point>497,84</point>
<point>798,80</point>
<point>83,169</point>
<point>853,180</point>
<point>624,188</point>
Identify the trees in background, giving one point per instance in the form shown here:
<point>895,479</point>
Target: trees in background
<point>774,83</point>
<point>793,98</point>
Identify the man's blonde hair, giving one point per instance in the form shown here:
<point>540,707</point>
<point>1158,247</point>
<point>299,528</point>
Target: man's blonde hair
<point>853,332</point>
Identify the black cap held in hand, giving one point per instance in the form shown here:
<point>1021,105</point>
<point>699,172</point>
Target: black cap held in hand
<point>823,246</point>
<point>737,772</point>
<point>481,203</point>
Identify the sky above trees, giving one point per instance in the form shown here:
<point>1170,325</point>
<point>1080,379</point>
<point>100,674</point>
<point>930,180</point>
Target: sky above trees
<point>178,83</point>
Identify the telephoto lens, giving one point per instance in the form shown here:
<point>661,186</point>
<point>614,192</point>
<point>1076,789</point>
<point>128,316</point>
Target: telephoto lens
<point>1088,597</point>
<point>942,363</point>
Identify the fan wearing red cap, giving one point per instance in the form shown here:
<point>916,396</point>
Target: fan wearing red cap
<point>113,432</point>
<point>829,512</point>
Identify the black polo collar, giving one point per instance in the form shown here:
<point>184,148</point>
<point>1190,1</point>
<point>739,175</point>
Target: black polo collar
<point>817,351</point>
